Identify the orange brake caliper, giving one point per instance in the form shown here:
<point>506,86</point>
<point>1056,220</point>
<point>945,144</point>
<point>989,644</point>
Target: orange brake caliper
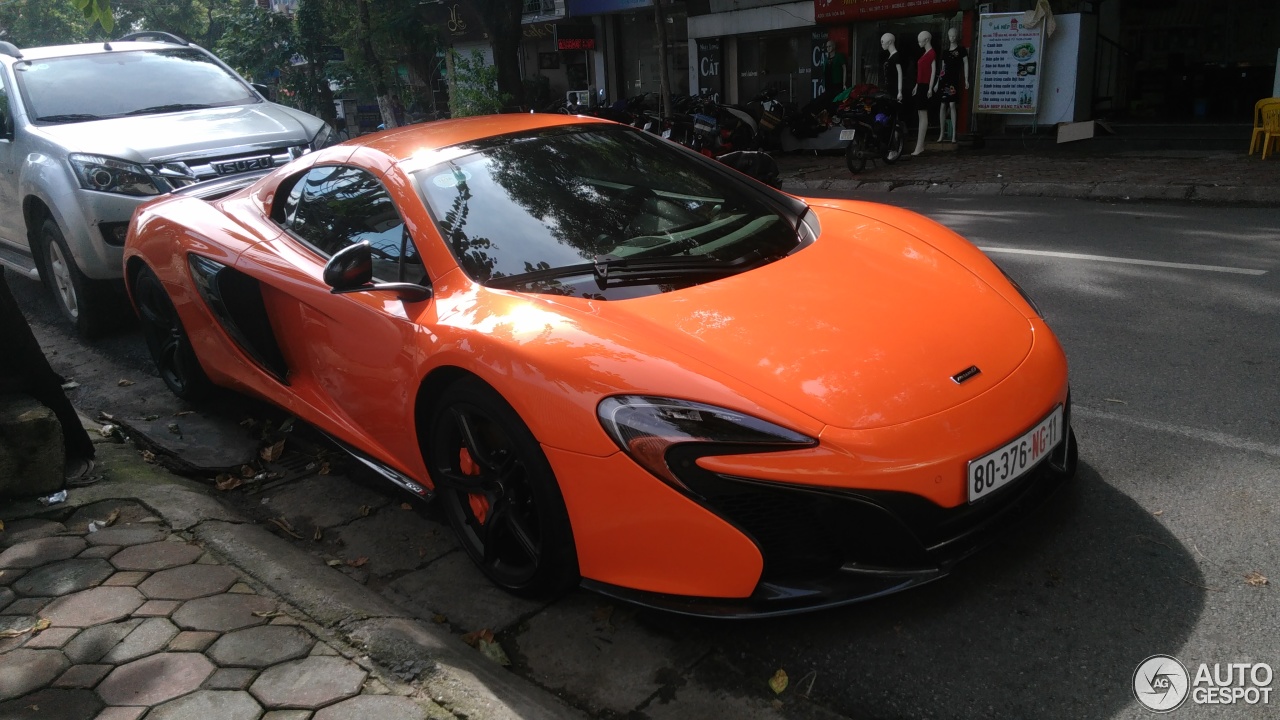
<point>479,503</point>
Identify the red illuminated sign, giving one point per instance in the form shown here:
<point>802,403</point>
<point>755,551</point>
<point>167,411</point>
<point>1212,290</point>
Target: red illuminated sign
<point>855,10</point>
<point>576,44</point>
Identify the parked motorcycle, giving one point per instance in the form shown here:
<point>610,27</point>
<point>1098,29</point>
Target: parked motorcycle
<point>873,129</point>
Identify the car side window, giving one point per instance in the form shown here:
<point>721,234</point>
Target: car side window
<point>6,114</point>
<point>333,206</point>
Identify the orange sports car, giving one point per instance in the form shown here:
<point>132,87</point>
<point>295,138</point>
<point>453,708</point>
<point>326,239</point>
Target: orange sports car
<point>618,363</point>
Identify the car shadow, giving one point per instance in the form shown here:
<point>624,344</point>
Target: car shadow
<point>1050,622</point>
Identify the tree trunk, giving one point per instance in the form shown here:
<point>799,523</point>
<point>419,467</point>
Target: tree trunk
<point>664,82</point>
<point>375,67</point>
<point>502,20</point>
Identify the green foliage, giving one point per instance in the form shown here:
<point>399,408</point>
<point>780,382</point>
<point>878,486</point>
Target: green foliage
<point>34,23</point>
<point>473,89</point>
<point>258,44</point>
<point>97,11</point>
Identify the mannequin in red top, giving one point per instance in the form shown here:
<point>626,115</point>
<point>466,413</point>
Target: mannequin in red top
<point>926,74</point>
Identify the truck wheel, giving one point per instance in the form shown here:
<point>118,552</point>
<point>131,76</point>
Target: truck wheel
<point>86,303</point>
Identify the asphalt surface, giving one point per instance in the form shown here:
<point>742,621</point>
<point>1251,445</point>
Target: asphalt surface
<point>1173,380</point>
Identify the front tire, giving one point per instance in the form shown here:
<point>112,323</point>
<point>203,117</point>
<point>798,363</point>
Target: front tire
<point>167,340</point>
<point>88,304</point>
<point>499,493</point>
<point>855,154</point>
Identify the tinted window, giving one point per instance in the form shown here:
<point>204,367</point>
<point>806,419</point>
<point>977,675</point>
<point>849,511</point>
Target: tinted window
<point>87,87</point>
<point>560,198</point>
<point>332,207</point>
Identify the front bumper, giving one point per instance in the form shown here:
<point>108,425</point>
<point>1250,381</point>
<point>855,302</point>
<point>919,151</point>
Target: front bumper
<point>825,548</point>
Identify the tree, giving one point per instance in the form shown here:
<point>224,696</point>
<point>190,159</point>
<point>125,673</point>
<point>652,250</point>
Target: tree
<point>502,20</point>
<point>311,30</point>
<point>33,23</point>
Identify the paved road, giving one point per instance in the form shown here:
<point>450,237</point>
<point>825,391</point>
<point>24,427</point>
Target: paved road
<point>1173,373</point>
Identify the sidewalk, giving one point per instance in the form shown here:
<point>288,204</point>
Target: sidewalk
<point>1210,177</point>
<point>144,595</point>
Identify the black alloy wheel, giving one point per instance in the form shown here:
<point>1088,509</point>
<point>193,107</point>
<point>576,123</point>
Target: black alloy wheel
<point>499,493</point>
<point>166,339</point>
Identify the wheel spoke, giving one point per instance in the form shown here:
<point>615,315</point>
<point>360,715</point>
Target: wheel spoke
<point>483,457</point>
<point>520,533</point>
<point>462,481</point>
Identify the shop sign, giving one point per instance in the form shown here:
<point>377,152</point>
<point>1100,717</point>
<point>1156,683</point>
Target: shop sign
<point>855,10</point>
<point>578,8</point>
<point>710,77</point>
<point>1010,63</point>
<point>459,21</point>
<point>575,36</point>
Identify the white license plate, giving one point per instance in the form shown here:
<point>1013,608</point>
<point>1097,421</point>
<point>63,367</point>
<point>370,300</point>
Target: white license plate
<point>847,134</point>
<point>1006,464</point>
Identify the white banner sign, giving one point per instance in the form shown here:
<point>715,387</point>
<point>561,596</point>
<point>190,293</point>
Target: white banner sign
<point>1010,62</point>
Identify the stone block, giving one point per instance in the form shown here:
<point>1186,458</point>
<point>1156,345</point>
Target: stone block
<point>51,638</point>
<point>261,646</point>
<point>192,641</point>
<point>224,705</point>
<point>309,683</point>
<point>90,645</point>
<point>34,553</point>
<point>55,703</point>
<point>127,535</point>
<point>156,556</point>
<point>230,679</point>
<point>28,529</point>
<point>455,587</point>
<point>383,707</point>
<point>93,607</point>
<point>32,455</point>
<point>27,670</point>
<point>224,613</point>
<point>157,608</point>
<point>156,679</point>
<point>189,582</point>
<point>82,676</point>
<point>395,540</point>
<point>152,636</point>
<point>64,577</point>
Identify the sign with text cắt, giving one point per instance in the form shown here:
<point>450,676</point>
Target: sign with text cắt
<point>1010,58</point>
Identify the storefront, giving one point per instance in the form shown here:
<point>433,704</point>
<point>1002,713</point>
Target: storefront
<point>740,48</point>
<point>864,22</point>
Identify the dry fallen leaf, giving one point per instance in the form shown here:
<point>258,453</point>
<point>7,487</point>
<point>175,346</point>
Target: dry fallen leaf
<point>247,471</point>
<point>226,482</point>
<point>148,456</point>
<point>318,535</point>
<point>406,506</point>
<point>1,530</point>
<point>1158,513</point>
<point>778,682</point>
<point>37,626</point>
<point>150,418</point>
<point>1256,579</point>
<point>777,704</point>
<point>324,469</point>
<point>272,453</point>
<point>422,552</point>
<point>473,638</point>
<point>1116,401</point>
<point>268,613</point>
<point>365,510</point>
<point>124,383</point>
<point>285,526</point>
<point>333,563</point>
<point>111,518</point>
<point>358,562</point>
<point>439,619</point>
<point>494,652</point>
<point>182,413</point>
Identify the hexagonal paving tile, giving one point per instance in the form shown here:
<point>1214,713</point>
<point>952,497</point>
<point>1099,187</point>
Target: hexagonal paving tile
<point>261,646</point>
<point>223,705</point>
<point>155,679</point>
<point>19,531</point>
<point>34,553</point>
<point>223,612</point>
<point>156,556</point>
<point>42,705</point>
<point>90,645</point>
<point>93,607</point>
<point>308,684</point>
<point>151,636</point>
<point>26,670</point>
<point>189,582</point>
<point>64,578</point>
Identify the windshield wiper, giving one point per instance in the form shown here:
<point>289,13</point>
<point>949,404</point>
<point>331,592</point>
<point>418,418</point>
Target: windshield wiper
<point>69,117</point>
<point>172,107</point>
<point>610,268</point>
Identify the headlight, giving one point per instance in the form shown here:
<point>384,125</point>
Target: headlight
<point>1022,292</point>
<point>324,138</point>
<point>106,174</point>
<point>647,428</point>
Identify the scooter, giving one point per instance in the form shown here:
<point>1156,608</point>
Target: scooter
<point>873,130</point>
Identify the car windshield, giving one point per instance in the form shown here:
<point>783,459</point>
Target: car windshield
<point>578,210</point>
<point>78,88</point>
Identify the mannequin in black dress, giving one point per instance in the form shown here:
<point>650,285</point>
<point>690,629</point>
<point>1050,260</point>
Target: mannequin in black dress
<point>891,80</point>
<point>955,73</point>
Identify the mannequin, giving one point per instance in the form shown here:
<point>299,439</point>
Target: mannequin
<point>955,68</point>
<point>833,70</point>
<point>891,74</point>
<point>926,77</point>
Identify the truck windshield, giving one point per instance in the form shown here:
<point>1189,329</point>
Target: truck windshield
<point>79,88</point>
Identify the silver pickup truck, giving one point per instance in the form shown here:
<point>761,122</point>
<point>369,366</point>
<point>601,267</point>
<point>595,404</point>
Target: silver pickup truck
<point>87,132</point>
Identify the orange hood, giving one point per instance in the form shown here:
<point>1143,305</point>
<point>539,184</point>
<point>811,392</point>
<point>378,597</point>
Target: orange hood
<point>865,328</point>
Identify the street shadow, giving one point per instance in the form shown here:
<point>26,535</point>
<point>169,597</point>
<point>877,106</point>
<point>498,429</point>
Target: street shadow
<point>1048,623</point>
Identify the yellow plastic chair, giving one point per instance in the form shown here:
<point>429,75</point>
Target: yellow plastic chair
<point>1257,120</point>
<point>1270,127</point>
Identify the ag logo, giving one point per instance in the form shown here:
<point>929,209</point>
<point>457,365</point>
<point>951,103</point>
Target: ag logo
<point>1161,683</point>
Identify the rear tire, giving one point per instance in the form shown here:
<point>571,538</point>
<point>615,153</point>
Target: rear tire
<point>167,340</point>
<point>855,154</point>
<point>897,140</point>
<point>87,303</point>
<point>499,492</point>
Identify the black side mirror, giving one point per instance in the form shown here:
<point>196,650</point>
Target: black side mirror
<point>263,90</point>
<point>351,270</point>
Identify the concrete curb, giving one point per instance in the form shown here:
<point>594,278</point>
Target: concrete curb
<point>456,676</point>
<point>1233,195</point>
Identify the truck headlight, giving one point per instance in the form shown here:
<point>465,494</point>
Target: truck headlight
<point>105,174</point>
